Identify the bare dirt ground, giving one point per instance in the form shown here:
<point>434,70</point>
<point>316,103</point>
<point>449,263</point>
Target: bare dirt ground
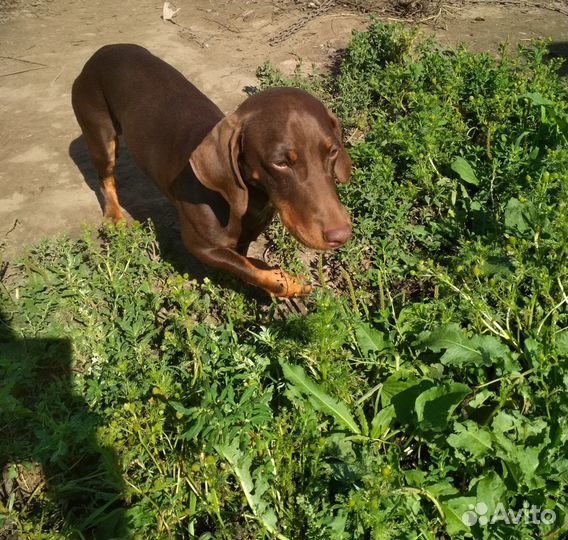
<point>46,181</point>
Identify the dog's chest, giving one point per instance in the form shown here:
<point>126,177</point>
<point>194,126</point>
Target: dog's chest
<point>258,215</point>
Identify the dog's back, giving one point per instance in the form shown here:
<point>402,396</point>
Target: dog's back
<point>161,115</point>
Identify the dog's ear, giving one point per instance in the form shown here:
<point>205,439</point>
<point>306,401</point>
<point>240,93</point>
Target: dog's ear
<point>343,162</point>
<point>215,161</point>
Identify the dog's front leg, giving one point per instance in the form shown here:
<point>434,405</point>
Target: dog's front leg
<point>273,280</point>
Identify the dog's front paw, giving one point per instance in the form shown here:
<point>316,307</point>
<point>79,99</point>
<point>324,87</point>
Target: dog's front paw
<point>114,216</point>
<point>285,286</point>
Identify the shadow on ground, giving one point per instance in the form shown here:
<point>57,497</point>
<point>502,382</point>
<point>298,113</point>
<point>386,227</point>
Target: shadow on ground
<point>559,49</point>
<point>141,198</point>
<point>49,454</point>
<point>143,201</point>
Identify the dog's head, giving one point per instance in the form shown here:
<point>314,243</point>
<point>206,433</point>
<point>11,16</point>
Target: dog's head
<point>284,142</point>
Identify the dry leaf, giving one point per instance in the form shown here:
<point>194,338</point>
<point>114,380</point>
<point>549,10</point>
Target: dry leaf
<point>169,11</point>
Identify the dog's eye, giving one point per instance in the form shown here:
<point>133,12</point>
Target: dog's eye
<point>333,152</point>
<point>280,164</point>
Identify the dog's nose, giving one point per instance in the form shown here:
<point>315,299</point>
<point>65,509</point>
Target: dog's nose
<point>337,237</point>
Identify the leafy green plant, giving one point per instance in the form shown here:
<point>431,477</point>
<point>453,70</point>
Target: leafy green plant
<point>423,390</point>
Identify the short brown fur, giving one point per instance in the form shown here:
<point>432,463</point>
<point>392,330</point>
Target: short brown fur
<point>227,176</point>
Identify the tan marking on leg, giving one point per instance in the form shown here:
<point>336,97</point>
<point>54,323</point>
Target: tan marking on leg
<point>277,282</point>
<point>290,286</point>
<point>112,208</point>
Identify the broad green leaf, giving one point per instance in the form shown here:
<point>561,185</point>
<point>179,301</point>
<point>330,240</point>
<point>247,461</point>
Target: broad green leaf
<point>490,489</point>
<point>370,339</point>
<point>337,525</point>
<point>509,433</point>
<point>456,511</point>
<point>435,406</point>
<point>498,265</point>
<point>559,468</point>
<point>241,463</point>
<point>537,99</point>
<point>458,348</point>
<point>521,461</point>
<point>518,216</point>
<point>465,171</point>
<point>395,384</point>
<point>559,118</point>
<point>319,398</point>
<point>415,477</point>
<point>528,459</point>
<point>562,343</point>
<point>445,488</point>
<point>480,398</point>
<point>490,348</point>
<point>382,421</point>
<point>518,426</point>
<point>470,438</point>
<point>461,350</point>
<point>402,390</point>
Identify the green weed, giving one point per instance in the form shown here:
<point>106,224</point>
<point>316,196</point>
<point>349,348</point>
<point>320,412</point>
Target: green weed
<point>431,385</point>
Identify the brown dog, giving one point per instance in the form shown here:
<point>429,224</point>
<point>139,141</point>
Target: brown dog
<point>280,151</point>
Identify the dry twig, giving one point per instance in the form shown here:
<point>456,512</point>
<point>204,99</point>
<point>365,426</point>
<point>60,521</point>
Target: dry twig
<point>521,3</point>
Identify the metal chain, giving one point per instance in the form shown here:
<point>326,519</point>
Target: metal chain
<point>364,7</point>
<point>293,28</point>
